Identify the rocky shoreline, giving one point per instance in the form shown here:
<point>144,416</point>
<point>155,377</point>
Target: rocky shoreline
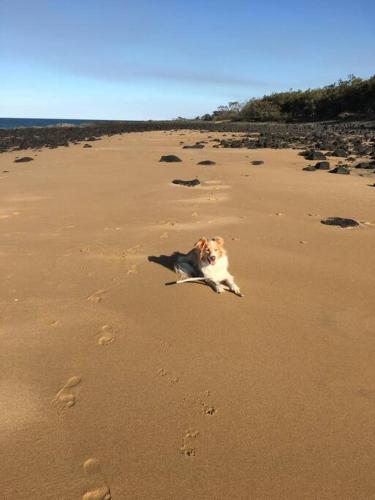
<point>352,137</point>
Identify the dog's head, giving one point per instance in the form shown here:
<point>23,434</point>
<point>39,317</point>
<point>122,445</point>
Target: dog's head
<point>210,250</point>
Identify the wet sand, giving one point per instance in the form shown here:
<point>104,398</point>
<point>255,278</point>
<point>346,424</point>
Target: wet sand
<point>114,384</point>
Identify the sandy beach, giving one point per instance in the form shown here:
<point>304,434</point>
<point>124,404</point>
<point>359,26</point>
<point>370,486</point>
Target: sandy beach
<point>115,385</point>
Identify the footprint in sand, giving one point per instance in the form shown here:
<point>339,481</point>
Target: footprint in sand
<point>188,443</point>
<point>166,345</point>
<point>93,471</point>
<point>67,395</point>
<point>167,223</point>
<point>133,250</point>
<point>207,408</point>
<point>106,335</point>
<point>51,322</point>
<point>172,379</point>
<point>96,297</point>
<point>132,269</point>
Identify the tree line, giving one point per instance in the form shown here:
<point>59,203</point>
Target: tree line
<point>353,97</point>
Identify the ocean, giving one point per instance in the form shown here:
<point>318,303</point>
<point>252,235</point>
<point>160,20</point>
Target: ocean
<point>41,122</point>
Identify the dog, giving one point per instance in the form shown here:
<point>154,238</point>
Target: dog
<point>208,259</point>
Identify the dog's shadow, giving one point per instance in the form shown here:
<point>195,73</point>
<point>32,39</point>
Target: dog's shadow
<point>169,262</point>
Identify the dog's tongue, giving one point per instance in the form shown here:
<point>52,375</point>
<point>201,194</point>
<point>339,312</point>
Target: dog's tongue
<point>211,261</point>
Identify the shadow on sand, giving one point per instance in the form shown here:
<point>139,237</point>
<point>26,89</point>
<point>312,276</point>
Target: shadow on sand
<point>169,262</point>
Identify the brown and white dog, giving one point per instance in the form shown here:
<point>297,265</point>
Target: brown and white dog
<point>209,259</point>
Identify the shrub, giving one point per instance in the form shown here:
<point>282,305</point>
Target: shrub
<point>349,97</point>
<point>261,110</point>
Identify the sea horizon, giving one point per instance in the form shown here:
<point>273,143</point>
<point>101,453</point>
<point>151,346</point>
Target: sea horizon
<point>6,123</point>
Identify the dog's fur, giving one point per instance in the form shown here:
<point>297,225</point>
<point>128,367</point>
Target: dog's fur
<point>208,259</point>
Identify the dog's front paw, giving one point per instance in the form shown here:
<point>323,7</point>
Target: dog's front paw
<point>219,289</point>
<point>237,291</point>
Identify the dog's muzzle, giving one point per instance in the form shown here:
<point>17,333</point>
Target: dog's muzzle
<point>211,259</point>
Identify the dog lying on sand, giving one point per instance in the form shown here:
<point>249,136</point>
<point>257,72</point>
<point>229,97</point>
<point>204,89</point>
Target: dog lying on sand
<point>207,261</point>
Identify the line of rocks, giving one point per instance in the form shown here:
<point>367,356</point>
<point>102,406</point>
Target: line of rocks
<point>357,136</point>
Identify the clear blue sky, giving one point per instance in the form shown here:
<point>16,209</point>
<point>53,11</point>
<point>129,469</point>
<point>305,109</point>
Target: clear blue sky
<point>146,59</point>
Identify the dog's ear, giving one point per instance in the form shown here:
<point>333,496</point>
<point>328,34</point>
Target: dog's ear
<point>200,244</point>
<point>219,240</point>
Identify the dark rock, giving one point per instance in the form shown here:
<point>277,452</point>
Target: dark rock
<point>340,221</point>
<point>5,171</point>
<point>310,168</point>
<point>340,170</point>
<point>257,162</point>
<point>194,146</point>
<point>355,138</point>
<point>340,153</point>
<point>364,150</point>
<point>170,158</point>
<point>322,165</point>
<point>314,155</point>
<point>24,159</point>
<point>192,183</point>
<point>206,162</point>
<point>87,146</point>
<point>363,164</point>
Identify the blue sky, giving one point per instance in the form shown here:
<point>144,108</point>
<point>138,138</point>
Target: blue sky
<point>149,59</point>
